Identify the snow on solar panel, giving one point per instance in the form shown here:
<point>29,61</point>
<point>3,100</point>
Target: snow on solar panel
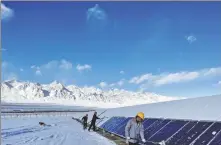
<point>216,140</point>
<point>209,134</point>
<point>168,130</point>
<point>181,133</point>
<point>149,132</point>
<point>194,132</point>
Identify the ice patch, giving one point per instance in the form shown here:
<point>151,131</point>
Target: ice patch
<point>214,132</point>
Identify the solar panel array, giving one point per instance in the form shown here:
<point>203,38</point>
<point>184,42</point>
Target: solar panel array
<point>171,132</point>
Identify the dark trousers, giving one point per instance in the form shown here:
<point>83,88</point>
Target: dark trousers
<point>133,143</point>
<point>85,125</point>
<point>94,127</point>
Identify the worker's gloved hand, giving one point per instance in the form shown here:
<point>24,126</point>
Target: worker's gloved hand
<point>127,140</point>
<point>143,140</point>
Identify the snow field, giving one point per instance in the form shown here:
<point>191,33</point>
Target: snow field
<point>63,131</point>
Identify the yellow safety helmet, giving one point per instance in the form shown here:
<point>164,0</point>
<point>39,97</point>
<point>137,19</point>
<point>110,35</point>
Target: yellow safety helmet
<point>141,115</point>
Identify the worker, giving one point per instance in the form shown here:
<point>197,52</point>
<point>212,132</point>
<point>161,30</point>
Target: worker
<point>93,121</point>
<point>134,130</point>
<point>84,119</point>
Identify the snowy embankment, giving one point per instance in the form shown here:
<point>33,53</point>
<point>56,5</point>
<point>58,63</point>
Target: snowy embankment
<point>63,131</point>
<point>201,108</point>
<point>41,107</point>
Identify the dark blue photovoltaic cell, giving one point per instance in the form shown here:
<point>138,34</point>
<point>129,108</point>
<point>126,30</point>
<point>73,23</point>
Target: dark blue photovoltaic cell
<point>193,133</point>
<point>216,140</point>
<point>209,134</point>
<point>178,136</point>
<point>117,124</point>
<point>105,123</point>
<point>168,131</point>
<point>157,125</point>
<point>109,123</point>
<point>121,129</point>
<point>146,127</point>
<point>112,124</point>
<point>148,122</point>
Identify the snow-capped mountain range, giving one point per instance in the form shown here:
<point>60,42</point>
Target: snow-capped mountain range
<point>55,92</point>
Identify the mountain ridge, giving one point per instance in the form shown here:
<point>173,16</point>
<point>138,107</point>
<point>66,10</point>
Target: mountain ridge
<point>56,92</point>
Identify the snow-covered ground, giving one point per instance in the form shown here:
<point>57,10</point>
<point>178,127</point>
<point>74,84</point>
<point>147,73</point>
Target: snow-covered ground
<point>63,131</point>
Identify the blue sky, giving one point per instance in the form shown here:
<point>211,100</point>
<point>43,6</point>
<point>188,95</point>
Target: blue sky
<point>170,48</point>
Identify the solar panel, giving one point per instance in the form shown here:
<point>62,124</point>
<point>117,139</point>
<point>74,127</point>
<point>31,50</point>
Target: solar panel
<point>121,129</point>
<point>208,135</point>
<point>180,133</point>
<point>112,123</point>
<point>105,123</point>
<point>168,131</point>
<point>148,122</point>
<point>117,124</point>
<point>216,140</point>
<point>193,133</point>
<point>109,123</point>
<point>156,126</point>
<point>173,132</point>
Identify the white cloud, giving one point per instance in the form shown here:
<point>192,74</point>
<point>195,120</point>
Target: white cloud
<point>107,85</point>
<point>61,70</point>
<point>2,49</point>
<point>8,71</point>
<point>121,82</point>
<point>103,84</point>
<point>217,84</point>
<point>112,85</point>
<point>65,65</point>
<point>178,77</point>
<point>53,66</point>
<point>38,71</point>
<point>211,71</point>
<point>142,78</point>
<point>6,12</point>
<point>122,72</point>
<point>4,64</point>
<point>33,66</point>
<point>11,76</point>
<point>190,38</point>
<point>83,67</point>
<point>96,13</point>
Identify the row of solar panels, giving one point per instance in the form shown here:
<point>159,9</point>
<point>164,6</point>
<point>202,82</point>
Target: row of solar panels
<point>172,132</point>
